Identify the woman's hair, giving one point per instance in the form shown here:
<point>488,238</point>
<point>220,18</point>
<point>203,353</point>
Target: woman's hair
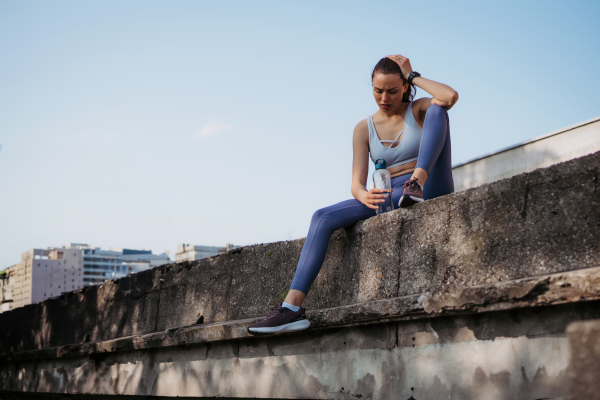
<point>387,66</point>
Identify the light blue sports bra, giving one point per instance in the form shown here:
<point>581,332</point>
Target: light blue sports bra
<point>408,146</point>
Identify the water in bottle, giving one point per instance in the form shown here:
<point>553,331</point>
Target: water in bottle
<point>383,180</point>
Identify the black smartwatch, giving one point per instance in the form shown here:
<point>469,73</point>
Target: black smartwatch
<point>411,76</point>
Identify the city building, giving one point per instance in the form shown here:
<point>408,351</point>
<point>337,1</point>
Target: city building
<point>45,273</point>
<point>185,252</point>
<point>555,147</point>
<point>42,274</point>
<point>6,290</point>
<point>100,265</point>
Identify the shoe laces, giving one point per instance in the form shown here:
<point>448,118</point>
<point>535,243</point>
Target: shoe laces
<point>274,311</point>
<point>412,183</point>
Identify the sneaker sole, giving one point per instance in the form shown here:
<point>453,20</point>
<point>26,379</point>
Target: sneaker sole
<point>292,326</point>
<point>407,201</point>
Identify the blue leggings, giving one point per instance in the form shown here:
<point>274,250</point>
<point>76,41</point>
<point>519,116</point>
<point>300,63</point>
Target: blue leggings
<point>434,157</point>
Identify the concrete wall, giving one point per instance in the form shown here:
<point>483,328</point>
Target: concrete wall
<point>506,355</point>
<point>559,146</point>
<point>532,224</point>
<point>584,362</point>
<point>463,297</point>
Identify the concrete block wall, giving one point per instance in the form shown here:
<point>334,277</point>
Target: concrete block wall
<point>532,224</point>
<point>467,296</point>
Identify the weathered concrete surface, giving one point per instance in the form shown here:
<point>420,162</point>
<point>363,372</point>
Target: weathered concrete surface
<point>519,354</point>
<point>584,366</point>
<point>463,297</point>
<point>568,287</point>
<point>538,223</point>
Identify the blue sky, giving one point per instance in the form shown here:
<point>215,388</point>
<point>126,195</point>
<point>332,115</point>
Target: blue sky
<point>145,124</point>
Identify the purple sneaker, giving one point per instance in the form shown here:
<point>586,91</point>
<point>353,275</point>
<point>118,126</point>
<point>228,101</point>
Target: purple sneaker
<point>281,319</point>
<point>411,194</point>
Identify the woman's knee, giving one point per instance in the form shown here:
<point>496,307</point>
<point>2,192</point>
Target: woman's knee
<point>436,111</point>
<point>319,214</point>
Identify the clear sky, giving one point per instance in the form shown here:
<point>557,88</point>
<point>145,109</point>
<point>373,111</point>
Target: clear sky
<point>145,124</point>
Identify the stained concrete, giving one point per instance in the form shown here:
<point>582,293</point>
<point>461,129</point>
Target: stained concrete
<point>532,224</point>
<point>564,288</point>
<point>502,355</point>
<point>584,366</point>
<point>463,297</point>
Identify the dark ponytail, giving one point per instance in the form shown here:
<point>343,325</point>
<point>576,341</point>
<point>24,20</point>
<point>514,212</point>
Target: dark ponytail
<point>386,66</point>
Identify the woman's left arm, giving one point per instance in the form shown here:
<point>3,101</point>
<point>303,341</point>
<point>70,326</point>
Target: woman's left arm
<point>443,95</point>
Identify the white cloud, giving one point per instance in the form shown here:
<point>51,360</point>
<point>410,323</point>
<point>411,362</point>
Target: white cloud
<point>212,128</point>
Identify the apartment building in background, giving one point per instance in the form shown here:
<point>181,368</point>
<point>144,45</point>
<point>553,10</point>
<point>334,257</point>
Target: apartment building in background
<point>42,274</point>
<point>100,265</point>
<point>45,273</point>
<point>6,290</point>
<point>543,151</point>
<point>185,252</point>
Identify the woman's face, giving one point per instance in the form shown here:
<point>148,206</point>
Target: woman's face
<point>388,91</point>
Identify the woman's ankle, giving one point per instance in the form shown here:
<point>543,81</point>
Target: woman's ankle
<point>421,176</point>
<point>295,297</point>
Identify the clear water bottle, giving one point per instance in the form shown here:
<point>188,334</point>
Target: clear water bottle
<point>383,180</point>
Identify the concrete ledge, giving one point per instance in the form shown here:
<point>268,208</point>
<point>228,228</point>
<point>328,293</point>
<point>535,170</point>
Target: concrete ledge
<point>569,287</point>
<point>533,224</point>
<point>584,366</point>
<point>511,354</point>
<point>463,297</point>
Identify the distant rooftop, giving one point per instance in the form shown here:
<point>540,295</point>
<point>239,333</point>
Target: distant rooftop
<point>538,138</point>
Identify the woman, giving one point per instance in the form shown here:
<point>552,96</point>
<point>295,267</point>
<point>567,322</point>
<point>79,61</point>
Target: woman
<point>418,158</point>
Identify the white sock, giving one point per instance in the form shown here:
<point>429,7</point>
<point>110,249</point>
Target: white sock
<point>290,306</point>
<point>420,185</point>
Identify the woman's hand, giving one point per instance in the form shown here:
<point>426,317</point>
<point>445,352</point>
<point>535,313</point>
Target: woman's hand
<point>443,95</point>
<point>403,63</point>
<point>373,197</point>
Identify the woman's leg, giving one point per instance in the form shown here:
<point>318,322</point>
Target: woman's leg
<point>434,165</point>
<point>324,222</point>
<point>289,315</point>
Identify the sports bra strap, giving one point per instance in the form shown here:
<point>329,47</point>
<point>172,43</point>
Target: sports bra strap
<point>395,140</point>
<point>385,141</point>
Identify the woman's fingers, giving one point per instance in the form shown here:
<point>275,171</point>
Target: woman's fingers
<point>374,192</point>
<point>380,190</point>
<point>403,63</point>
<point>397,57</point>
<point>375,197</point>
<point>370,204</point>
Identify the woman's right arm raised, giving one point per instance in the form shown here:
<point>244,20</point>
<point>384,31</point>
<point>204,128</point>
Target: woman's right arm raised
<point>360,169</point>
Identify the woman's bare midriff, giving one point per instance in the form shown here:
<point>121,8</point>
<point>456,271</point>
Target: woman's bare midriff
<point>407,168</point>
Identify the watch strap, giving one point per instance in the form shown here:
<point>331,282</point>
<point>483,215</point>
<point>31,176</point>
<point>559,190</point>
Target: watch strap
<point>412,75</point>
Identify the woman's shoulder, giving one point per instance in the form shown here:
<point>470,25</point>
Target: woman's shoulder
<point>423,102</point>
<point>419,108</point>
<point>363,124</point>
<point>362,129</point>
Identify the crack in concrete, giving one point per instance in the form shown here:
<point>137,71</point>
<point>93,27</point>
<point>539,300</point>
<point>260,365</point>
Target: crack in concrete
<point>526,198</point>
<point>161,280</point>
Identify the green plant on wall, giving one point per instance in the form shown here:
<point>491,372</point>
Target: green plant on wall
<point>268,254</point>
<point>281,296</point>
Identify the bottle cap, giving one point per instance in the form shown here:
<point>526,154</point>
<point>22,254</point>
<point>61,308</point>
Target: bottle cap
<point>380,164</point>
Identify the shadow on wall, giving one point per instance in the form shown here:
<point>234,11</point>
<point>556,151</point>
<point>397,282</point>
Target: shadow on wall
<point>354,357</point>
<point>166,297</point>
<point>114,309</point>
